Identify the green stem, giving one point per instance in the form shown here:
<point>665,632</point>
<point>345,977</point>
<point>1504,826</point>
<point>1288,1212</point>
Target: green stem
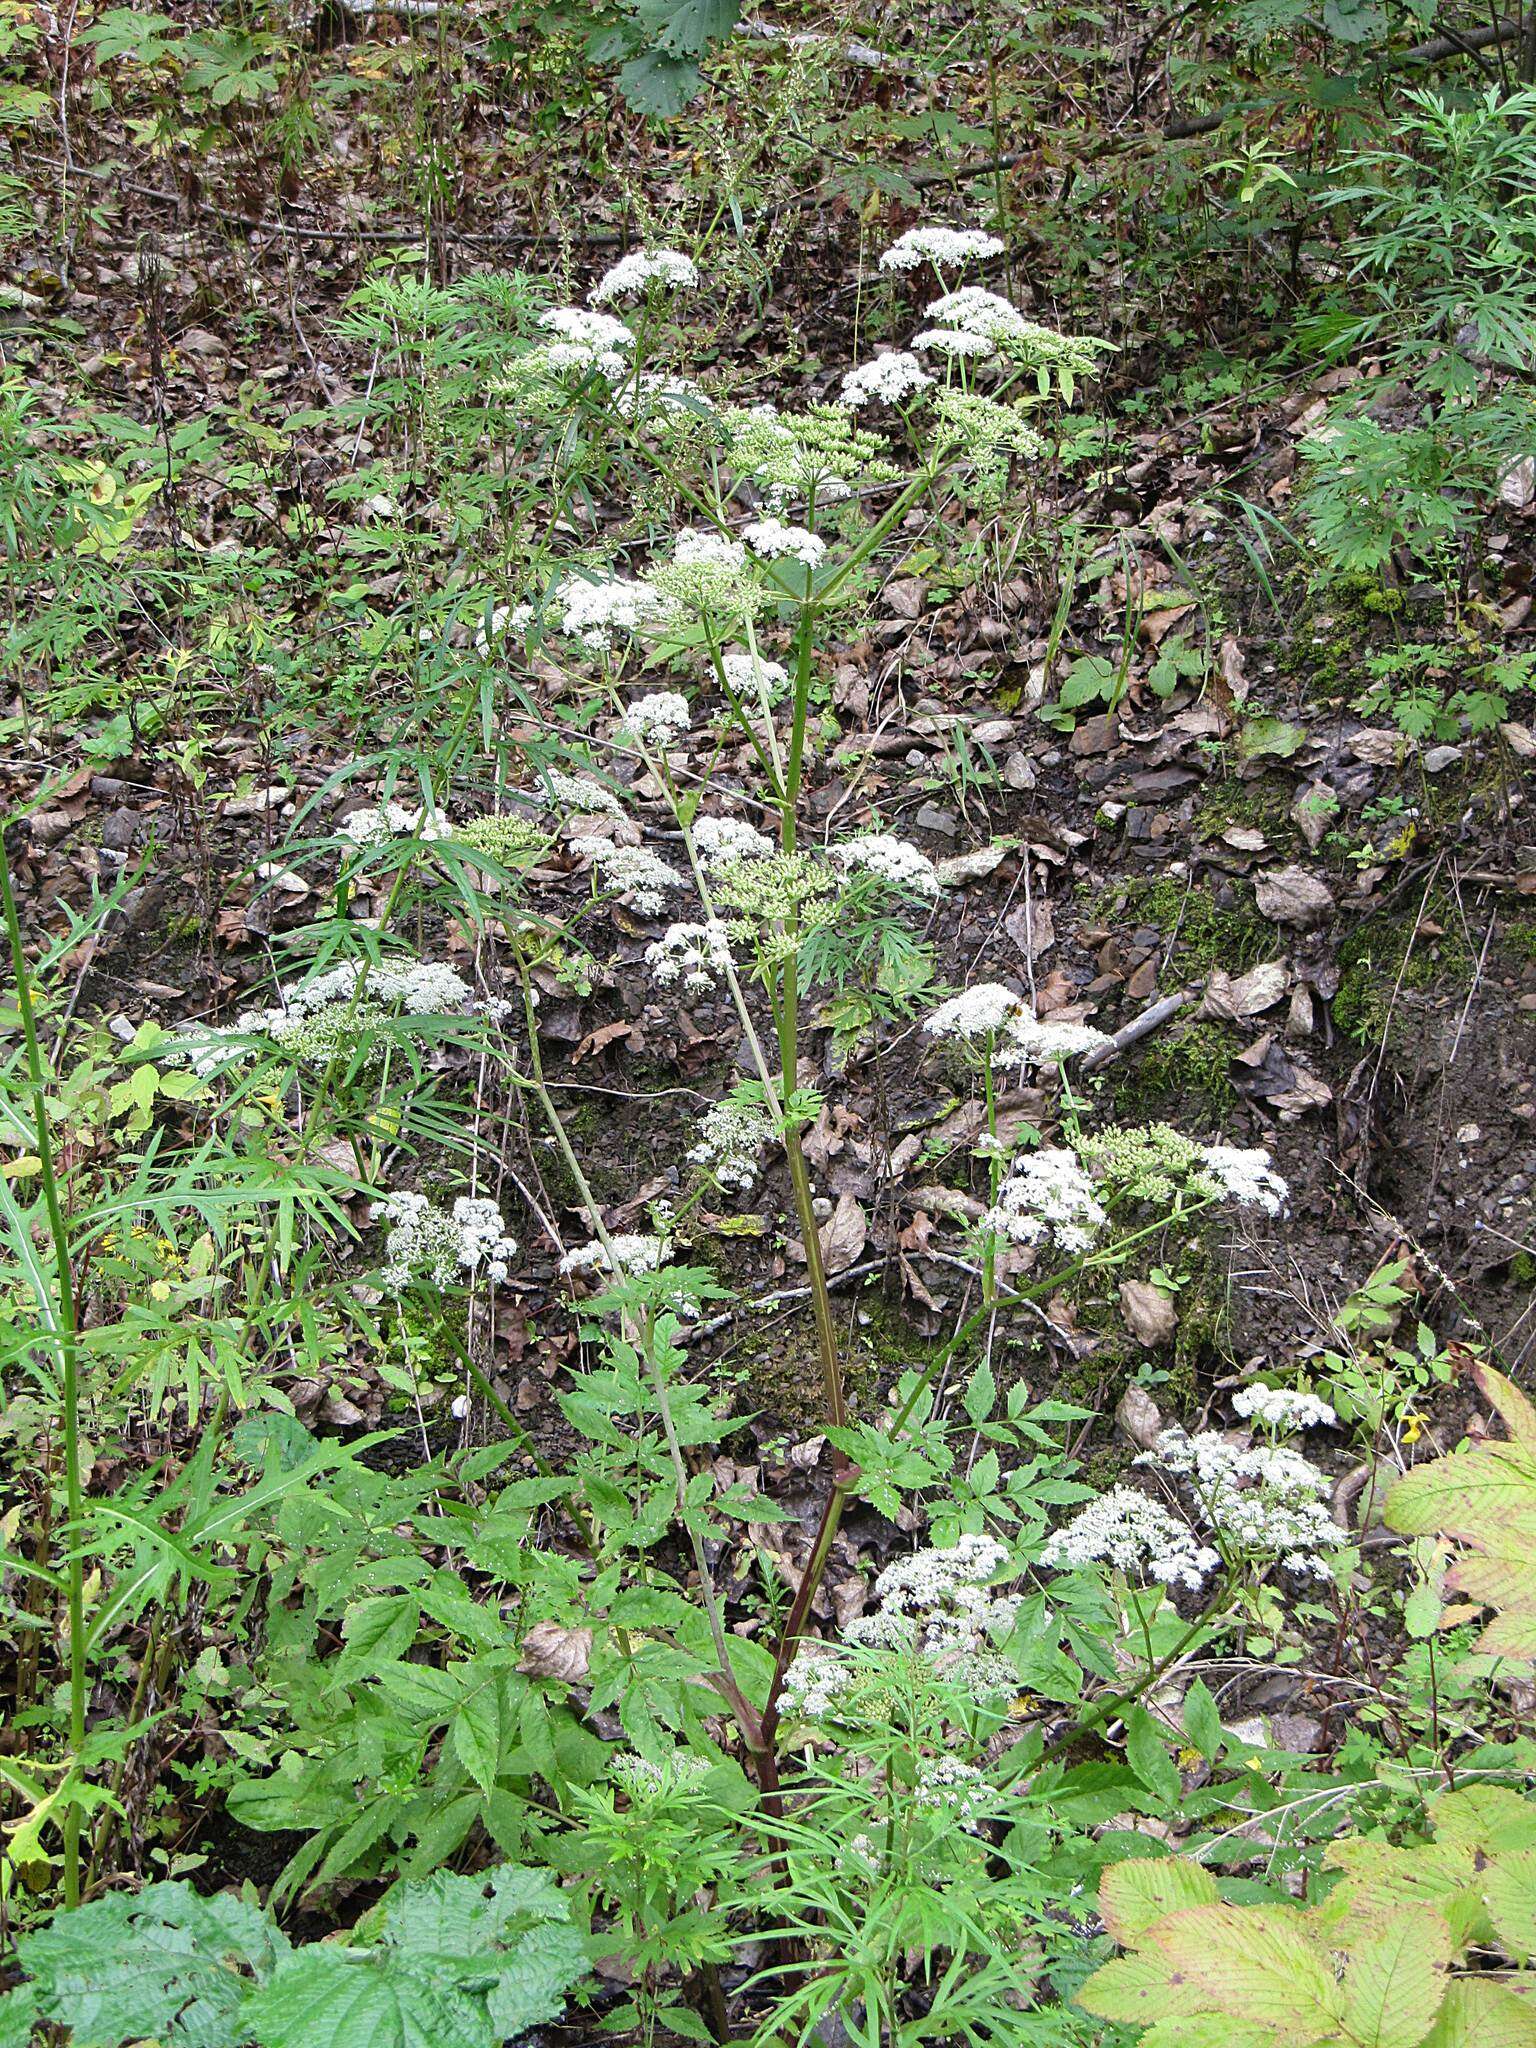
<point>69,1354</point>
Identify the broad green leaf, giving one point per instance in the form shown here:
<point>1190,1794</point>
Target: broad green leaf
<point>332,2000</point>
<point>1479,2013</point>
<point>1509,1890</point>
<point>1137,1989</point>
<point>1202,1721</point>
<point>1396,1979</point>
<point>1148,1757</point>
<point>1257,1963</point>
<point>1142,1890</point>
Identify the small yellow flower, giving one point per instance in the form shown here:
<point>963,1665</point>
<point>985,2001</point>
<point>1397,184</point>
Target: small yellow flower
<point>1189,1759</point>
<point>1415,1428</point>
<point>159,1290</point>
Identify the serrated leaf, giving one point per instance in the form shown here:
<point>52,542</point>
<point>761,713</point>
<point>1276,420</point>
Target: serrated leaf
<point>686,28</point>
<point>1135,1894</point>
<point>981,1394</point>
<point>1396,1980</point>
<point>320,2000</point>
<point>1478,2013</point>
<point>656,84</point>
<point>475,1732</point>
<point>1509,1892</point>
<point>1148,1757</point>
<point>1137,1989</point>
<point>1257,1963</point>
<point>1202,1721</point>
<point>122,1967</point>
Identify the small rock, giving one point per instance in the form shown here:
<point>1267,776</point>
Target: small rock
<point>1019,771</point>
<point>1438,759</point>
<point>971,867</point>
<point>1293,896</point>
<point>994,732</point>
<point>934,818</point>
<point>47,826</point>
<point>1313,811</point>
<point>118,829</point>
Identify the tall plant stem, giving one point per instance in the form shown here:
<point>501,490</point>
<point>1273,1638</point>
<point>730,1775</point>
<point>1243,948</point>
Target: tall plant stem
<point>69,1361</point>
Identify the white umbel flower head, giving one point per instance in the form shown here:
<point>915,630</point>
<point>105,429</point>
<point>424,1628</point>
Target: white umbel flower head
<point>1135,1535</point>
<point>694,954</point>
<point>1265,1504</point>
<point>1245,1176</point>
<point>751,674</point>
<point>1048,1195</point>
<point>974,310</point>
<point>587,341</point>
<point>658,719</point>
<point>632,871</point>
<point>885,380</point>
<point>722,842</point>
<point>955,342</point>
<point>1049,1042</point>
<point>896,862</point>
<point>581,795</point>
<point>441,1246</point>
<point>633,275</point>
<point>375,827</point>
<point>731,1137</point>
<point>772,541</point>
<point>634,1250</point>
<point>979,1012</point>
<point>592,610</point>
<point>1281,1408</point>
<point>944,248</point>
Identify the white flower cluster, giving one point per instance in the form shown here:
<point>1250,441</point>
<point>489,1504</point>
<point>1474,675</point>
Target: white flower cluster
<point>441,1245</point>
<point>1135,1535</point>
<point>1048,1195</point>
<point>315,1021</point>
<point>658,719</point>
<point>722,842</point>
<point>944,248</point>
<point>373,827</point>
<point>1048,1042</point>
<point>979,1012</point>
<point>707,574</point>
<point>1281,1408</point>
<point>644,1779</point>
<point>633,275</point>
<point>956,342</point>
<point>582,795</point>
<point>1245,1176</point>
<point>671,400</point>
<point>896,862</point>
<point>972,310</point>
<point>587,342</point>
<point>732,1135</point>
<point>632,871</point>
<point>887,379</point>
<point>947,1785</point>
<point>934,1605</point>
<point>593,609</point>
<point>744,672</point>
<point>634,1251</point>
<point>694,954</point>
<point>772,541</point>
<point>1260,1504</point>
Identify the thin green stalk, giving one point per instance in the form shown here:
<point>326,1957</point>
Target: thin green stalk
<point>69,1358</point>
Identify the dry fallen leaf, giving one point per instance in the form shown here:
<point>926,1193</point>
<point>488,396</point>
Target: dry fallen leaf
<point>551,1650</point>
<point>1150,1317</point>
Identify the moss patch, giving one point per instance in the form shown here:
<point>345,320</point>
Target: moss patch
<point>1382,957</point>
